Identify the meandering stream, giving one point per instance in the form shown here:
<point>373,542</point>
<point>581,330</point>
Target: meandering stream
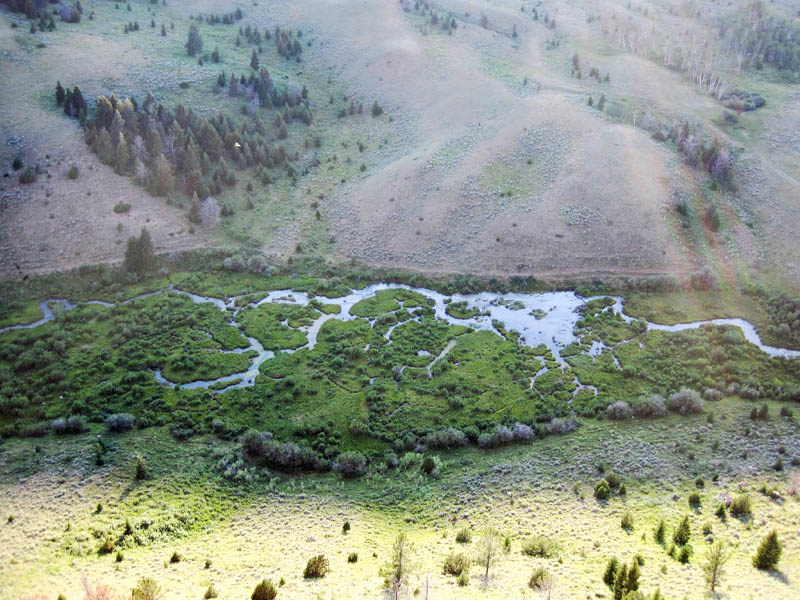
<point>545,318</point>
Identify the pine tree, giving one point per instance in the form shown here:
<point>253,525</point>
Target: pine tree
<point>659,532</point>
<point>769,552</point>
<point>60,94</point>
<point>716,557</point>
<point>162,179</point>
<point>139,256</point>
<point>163,30</point>
<point>194,43</point>
<point>254,61</point>
<point>682,533</point>
<point>632,582</point>
<point>123,155</point>
<point>620,582</point>
<point>611,571</point>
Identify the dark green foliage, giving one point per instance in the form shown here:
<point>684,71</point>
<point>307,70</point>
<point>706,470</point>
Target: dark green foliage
<point>139,256</point>
<point>682,532</point>
<point>146,589</point>
<point>73,172</point>
<point>264,591</point>
<point>175,558</point>
<point>352,557</point>
<point>540,546</point>
<point>659,532</point>
<point>316,567</point>
<point>610,573</point>
<point>768,553</point>
<point>141,468</point>
<point>694,500</point>
<point>194,43</point>
<point>346,527</point>
<point>602,490</point>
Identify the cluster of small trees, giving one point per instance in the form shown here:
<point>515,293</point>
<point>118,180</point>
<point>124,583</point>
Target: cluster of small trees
<point>73,102</point>
<point>139,255</point>
<point>287,44</point>
<point>253,35</point>
<point>224,18</point>
<point>164,149</point>
<point>36,8</point>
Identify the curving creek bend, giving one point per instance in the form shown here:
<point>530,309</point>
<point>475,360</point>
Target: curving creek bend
<point>556,311</point>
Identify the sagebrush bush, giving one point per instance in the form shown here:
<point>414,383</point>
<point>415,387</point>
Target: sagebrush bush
<point>316,567</point>
<point>120,422</point>
<point>627,521</point>
<point>464,536</point>
<point>685,402</point>
<point>537,578</point>
<point>562,425</point>
<point>456,563</point>
<point>649,408</point>
<point>522,432</point>
<point>741,506</point>
<point>73,424</point>
<point>447,438</point>
<point>540,546</point>
<point>350,464</point>
<point>618,411</point>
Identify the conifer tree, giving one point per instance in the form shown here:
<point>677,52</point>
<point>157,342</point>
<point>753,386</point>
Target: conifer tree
<point>254,61</point>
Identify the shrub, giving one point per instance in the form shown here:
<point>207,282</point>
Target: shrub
<point>522,432</point>
<point>73,424</point>
<point>175,558</point>
<point>627,521</point>
<point>618,411</point>
<point>352,557</point>
<point>649,408</point>
<point>463,579</point>
<point>264,591</point>
<point>682,532</point>
<point>540,546</point>
<point>120,422</point>
<point>210,593</point>
<point>741,506</point>
<point>446,438</point>
<point>141,468</point>
<point>346,527</point>
<point>768,553</point>
<point>316,567</point>
<point>73,172</point>
<point>146,589</point>
<point>721,512</point>
<point>685,402</point>
<point>537,578</point>
<point>685,554</point>
<point>694,499</point>
<point>561,425</point>
<point>659,532</point>
<point>17,163</point>
<point>611,571</point>
<point>377,110</point>
<point>107,547</point>
<point>456,563</point>
<point>464,536</point>
<point>350,464</point>
<point>122,207</point>
<point>614,480</point>
<point>428,465</point>
<point>602,490</point>
<point>27,176</point>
